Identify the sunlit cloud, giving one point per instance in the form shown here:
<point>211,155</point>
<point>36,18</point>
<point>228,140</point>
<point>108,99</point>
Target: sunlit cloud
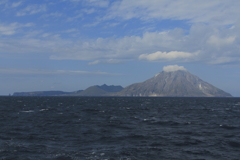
<point>165,55</point>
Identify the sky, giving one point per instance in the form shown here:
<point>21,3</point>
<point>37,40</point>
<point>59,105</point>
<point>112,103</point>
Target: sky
<point>69,45</point>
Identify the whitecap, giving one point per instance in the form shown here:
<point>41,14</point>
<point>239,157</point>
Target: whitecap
<point>28,111</point>
<point>237,104</point>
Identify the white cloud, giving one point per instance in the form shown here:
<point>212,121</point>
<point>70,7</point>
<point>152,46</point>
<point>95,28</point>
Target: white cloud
<point>172,68</point>
<point>32,9</point>
<point>165,55</point>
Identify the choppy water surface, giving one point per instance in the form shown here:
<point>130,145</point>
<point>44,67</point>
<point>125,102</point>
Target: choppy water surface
<point>110,128</point>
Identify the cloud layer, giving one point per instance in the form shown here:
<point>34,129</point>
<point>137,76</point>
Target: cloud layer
<point>212,36</point>
<point>203,43</point>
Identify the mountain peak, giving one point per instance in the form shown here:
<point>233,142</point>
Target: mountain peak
<point>174,81</point>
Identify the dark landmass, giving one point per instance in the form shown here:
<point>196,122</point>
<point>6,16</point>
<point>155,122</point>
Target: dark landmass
<point>179,83</point>
<point>103,90</point>
<point>111,88</point>
<point>41,93</point>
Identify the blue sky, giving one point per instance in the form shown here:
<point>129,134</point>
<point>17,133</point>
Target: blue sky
<point>70,45</point>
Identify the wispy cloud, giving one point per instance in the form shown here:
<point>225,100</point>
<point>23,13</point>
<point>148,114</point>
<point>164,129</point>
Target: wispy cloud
<point>52,72</point>
<point>16,4</point>
<point>71,30</point>
<point>98,3</point>
<point>92,24</point>
<point>32,9</point>
<point>109,61</point>
<point>3,2</point>
<point>70,19</point>
<point>11,29</point>
<point>195,11</point>
<point>102,3</point>
<point>53,14</point>
<point>88,11</point>
<point>224,60</point>
<point>46,35</point>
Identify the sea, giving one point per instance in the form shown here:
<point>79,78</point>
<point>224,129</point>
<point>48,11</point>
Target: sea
<point>119,128</point>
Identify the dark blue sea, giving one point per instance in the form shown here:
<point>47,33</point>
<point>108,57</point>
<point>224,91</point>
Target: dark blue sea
<point>119,128</point>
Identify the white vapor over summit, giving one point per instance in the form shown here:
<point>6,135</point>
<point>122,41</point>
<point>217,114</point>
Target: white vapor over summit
<point>172,68</point>
<point>173,81</point>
